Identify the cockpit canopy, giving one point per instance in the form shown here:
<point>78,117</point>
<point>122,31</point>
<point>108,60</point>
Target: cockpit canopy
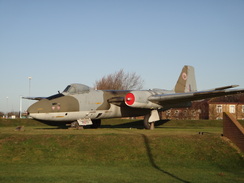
<point>76,89</point>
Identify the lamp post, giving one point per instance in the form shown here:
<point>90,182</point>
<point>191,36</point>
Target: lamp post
<point>29,78</point>
<point>29,84</point>
<point>20,107</point>
<point>7,108</point>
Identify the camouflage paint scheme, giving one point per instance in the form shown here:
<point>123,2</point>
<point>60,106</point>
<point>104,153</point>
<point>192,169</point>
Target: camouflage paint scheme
<point>79,102</point>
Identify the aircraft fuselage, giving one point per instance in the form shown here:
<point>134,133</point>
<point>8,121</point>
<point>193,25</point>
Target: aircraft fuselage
<point>92,104</point>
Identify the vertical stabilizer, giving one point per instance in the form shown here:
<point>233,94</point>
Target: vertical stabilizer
<point>186,81</point>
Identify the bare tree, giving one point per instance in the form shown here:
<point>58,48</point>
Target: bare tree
<point>1,114</point>
<point>119,81</point>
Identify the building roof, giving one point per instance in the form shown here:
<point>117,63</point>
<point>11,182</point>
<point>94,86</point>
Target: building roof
<point>239,98</point>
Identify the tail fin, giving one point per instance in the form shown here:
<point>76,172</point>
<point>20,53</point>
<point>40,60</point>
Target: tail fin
<point>186,81</point>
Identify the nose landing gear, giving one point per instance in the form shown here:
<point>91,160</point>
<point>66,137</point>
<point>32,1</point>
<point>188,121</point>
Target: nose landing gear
<point>81,123</point>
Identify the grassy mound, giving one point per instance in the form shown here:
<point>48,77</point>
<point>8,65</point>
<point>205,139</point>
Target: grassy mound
<point>121,153</point>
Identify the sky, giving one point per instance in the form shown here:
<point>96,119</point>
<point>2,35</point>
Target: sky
<point>58,42</point>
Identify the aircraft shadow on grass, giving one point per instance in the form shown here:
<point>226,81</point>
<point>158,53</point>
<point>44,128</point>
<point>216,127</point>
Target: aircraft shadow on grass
<point>134,124</point>
<point>153,163</point>
<point>139,125</point>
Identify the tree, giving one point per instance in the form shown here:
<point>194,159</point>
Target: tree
<point>1,114</point>
<point>119,81</point>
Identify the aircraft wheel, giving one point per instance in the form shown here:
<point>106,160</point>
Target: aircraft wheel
<point>96,123</point>
<point>76,125</point>
<point>147,125</point>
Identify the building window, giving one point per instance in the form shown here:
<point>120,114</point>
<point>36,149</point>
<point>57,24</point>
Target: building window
<point>168,112</point>
<point>219,109</point>
<point>232,109</point>
<point>176,113</point>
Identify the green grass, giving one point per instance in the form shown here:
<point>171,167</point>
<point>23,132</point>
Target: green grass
<point>120,151</point>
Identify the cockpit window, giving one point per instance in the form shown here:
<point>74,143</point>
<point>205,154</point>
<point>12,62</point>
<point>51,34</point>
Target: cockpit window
<point>67,88</point>
<point>76,89</point>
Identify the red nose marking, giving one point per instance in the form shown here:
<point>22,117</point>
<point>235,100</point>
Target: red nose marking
<point>129,98</point>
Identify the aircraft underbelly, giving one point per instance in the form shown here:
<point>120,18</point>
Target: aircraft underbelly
<point>68,116</point>
<point>113,112</point>
<point>73,116</point>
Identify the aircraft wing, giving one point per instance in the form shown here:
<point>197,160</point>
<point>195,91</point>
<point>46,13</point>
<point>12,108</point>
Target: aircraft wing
<point>34,98</point>
<point>191,96</point>
<point>150,100</point>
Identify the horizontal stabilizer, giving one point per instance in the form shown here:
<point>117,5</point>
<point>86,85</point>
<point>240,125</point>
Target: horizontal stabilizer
<point>224,87</point>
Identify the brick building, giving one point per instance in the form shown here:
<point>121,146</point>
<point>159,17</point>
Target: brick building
<point>199,110</point>
<point>209,109</point>
<point>216,110</point>
<point>233,104</point>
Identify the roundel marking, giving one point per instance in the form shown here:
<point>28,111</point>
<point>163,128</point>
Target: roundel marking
<point>129,98</point>
<point>184,76</point>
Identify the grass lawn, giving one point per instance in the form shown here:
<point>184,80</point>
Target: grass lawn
<point>120,151</point>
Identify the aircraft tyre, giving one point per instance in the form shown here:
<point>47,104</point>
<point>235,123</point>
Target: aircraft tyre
<point>76,125</point>
<point>147,125</point>
<point>96,123</point>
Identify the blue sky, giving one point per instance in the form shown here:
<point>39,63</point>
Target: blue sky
<point>58,42</point>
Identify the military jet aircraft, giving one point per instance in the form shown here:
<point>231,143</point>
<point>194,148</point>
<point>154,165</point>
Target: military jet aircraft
<point>81,105</point>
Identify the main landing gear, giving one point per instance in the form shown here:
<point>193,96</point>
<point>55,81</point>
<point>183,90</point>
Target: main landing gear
<point>148,125</point>
<point>149,119</point>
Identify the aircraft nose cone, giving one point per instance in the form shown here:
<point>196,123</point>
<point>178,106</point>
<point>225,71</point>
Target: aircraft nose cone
<point>62,104</point>
<point>39,106</point>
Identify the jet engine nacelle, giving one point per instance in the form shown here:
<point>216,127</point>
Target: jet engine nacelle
<point>139,99</point>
